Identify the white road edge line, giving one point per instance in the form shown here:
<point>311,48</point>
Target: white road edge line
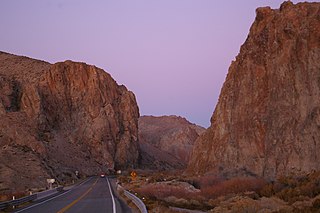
<point>113,202</point>
<point>30,207</point>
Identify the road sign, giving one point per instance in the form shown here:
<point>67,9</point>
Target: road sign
<point>133,175</point>
<point>51,181</point>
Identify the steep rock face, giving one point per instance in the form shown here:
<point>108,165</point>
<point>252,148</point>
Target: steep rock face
<point>63,117</point>
<point>85,105</point>
<point>166,142</point>
<point>267,118</point>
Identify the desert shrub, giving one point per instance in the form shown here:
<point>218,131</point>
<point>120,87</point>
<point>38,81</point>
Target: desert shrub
<point>161,191</point>
<point>206,181</point>
<point>156,177</point>
<point>314,176</point>
<point>296,188</point>
<point>171,195</point>
<point>288,195</point>
<point>179,201</point>
<point>294,181</point>
<point>288,181</point>
<point>316,203</point>
<point>267,190</point>
<point>187,203</point>
<point>271,189</point>
<point>310,189</point>
<point>245,206</point>
<point>291,195</point>
<point>123,179</point>
<point>235,185</point>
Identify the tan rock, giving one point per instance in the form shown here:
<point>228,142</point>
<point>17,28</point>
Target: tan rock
<point>67,116</point>
<point>166,142</point>
<point>267,118</point>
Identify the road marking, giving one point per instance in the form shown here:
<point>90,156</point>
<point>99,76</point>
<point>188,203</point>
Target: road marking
<point>113,202</point>
<point>78,199</point>
<point>51,198</point>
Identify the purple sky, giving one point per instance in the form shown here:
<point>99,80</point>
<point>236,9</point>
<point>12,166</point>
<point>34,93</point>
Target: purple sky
<point>173,54</point>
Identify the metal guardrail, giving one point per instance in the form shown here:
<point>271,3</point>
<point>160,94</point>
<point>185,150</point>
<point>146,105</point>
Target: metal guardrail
<point>44,194</point>
<point>16,202</point>
<point>136,201</point>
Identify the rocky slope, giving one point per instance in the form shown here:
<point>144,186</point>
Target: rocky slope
<point>166,142</point>
<point>59,118</point>
<point>267,119</point>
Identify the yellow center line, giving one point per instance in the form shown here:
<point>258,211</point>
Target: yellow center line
<point>77,200</point>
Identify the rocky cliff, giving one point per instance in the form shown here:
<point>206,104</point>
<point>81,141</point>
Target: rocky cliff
<point>267,120</point>
<point>59,118</point>
<point>166,142</point>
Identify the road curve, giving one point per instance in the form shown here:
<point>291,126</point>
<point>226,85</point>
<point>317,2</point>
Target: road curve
<point>93,195</point>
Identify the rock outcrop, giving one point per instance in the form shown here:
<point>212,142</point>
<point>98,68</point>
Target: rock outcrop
<point>60,118</point>
<point>267,119</point>
<point>166,142</point>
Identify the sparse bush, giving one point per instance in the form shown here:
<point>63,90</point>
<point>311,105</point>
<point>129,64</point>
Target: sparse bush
<point>285,180</point>
<point>235,185</point>
<point>124,179</point>
<point>287,195</point>
<point>271,189</point>
<point>161,191</point>
<point>300,187</point>
<point>214,191</point>
<point>316,203</point>
<point>309,189</point>
<point>245,206</point>
<point>292,195</point>
<point>206,181</point>
<point>171,195</point>
<point>178,201</point>
<point>158,177</point>
<point>293,181</point>
<point>267,190</point>
<point>187,203</point>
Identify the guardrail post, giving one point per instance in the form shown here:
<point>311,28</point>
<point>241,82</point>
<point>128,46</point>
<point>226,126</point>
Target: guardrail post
<point>16,202</point>
<point>141,206</point>
<point>13,198</point>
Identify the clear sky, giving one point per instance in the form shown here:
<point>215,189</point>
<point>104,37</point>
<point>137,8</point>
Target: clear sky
<point>173,54</point>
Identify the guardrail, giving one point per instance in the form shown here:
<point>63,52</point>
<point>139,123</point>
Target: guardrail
<point>16,202</point>
<point>47,193</point>
<point>136,201</point>
<point>39,195</point>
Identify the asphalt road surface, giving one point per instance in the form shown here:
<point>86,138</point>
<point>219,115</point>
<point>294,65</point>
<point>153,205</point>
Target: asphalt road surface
<point>93,195</point>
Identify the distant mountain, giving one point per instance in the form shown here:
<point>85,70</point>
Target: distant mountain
<point>60,118</point>
<point>267,119</point>
<point>166,142</point>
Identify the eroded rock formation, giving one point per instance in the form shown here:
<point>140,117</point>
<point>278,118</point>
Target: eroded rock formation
<point>166,142</point>
<point>56,119</point>
<point>267,120</point>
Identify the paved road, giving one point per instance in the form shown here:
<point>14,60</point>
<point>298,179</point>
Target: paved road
<point>93,195</point>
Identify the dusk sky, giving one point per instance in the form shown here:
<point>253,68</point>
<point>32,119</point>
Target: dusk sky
<point>173,54</point>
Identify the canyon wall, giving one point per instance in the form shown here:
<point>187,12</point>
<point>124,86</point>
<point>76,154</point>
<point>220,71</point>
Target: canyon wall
<point>267,120</point>
<point>166,142</point>
<point>60,118</point>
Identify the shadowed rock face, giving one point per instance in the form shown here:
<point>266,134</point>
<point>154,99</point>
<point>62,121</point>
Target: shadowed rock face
<point>267,120</point>
<point>63,117</point>
<point>166,142</point>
